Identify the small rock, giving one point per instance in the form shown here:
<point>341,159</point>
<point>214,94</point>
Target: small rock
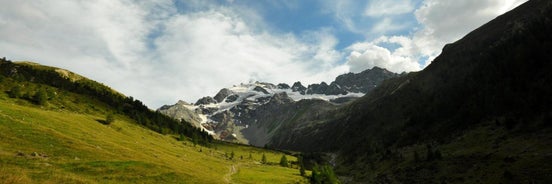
<point>34,154</point>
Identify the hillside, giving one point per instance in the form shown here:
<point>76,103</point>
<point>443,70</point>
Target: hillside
<point>50,134</point>
<point>479,113</point>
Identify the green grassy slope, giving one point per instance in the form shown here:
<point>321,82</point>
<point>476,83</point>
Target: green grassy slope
<point>63,141</point>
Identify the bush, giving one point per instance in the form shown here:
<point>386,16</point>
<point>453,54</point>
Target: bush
<point>15,92</point>
<point>110,118</point>
<point>322,175</point>
<point>41,97</point>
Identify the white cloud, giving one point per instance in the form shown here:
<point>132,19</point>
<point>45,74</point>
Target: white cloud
<point>157,54</point>
<point>442,21</point>
<point>369,54</point>
<point>377,8</point>
<point>386,25</point>
<point>211,50</point>
<point>372,18</point>
<point>446,21</point>
<point>149,51</point>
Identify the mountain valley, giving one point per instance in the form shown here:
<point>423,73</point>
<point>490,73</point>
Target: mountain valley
<point>480,112</point>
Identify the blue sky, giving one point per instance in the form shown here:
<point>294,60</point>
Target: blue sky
<point>162,51</point>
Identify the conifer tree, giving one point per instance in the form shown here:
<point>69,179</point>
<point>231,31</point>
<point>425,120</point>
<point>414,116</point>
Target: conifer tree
<point>263,160</point>
<point>283,161</point>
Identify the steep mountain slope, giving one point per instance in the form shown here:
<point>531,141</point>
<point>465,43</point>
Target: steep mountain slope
<point>483,107</point>
<point>253,113</point>
<point>65,138</point>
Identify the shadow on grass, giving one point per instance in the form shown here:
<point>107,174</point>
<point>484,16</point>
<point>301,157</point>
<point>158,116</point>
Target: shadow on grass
<point>102,121</point>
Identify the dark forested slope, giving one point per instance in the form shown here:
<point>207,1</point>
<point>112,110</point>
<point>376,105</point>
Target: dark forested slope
<point>480,112</point>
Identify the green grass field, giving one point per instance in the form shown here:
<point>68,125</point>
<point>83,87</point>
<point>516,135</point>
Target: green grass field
<point>49,144</point>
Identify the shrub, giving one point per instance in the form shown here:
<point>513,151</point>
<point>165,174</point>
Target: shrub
<point>41,97</point>
<point>110,118</point>
<point>15,92</point>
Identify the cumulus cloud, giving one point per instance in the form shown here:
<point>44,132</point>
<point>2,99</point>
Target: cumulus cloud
<point>378,8</point>
<point>152,52</point>
<point>441,21</point>
<point>210,50</point>
<point>369,54</point>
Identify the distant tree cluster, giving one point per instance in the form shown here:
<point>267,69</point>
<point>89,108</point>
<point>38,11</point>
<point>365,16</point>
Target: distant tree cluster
<point>323,174</point>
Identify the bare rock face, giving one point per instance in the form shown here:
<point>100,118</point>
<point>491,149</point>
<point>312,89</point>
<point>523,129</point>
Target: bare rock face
<point>283,86</point>
<point>205,100</point>
<point>298,87</point>
<point>180,111</point>
<point>222,94</point>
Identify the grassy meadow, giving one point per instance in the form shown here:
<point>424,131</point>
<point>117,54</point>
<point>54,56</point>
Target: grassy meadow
<point>64,142</point>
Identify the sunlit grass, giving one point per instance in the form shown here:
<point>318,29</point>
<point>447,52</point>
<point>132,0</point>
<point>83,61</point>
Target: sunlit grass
<point>47,145</point>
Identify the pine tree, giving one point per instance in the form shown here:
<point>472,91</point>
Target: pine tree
<point>250,156</point>
<point>329,175</point>
<point>301,166</point>
<point>232,155</point>
<point>315,176</point>
<point>302,170</point>
<point>263,160</point>
<point>283,161</point>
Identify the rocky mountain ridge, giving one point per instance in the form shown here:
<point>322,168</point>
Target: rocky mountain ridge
<point>243,113</point>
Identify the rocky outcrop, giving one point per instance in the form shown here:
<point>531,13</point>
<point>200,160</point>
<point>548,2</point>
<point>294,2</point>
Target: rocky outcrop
<point>181,111</point>
<point>283,86</point>
<point>205,100</point>
<point>260,89</point>
<point>364,81</point>
<point>298,87</point>
<point>222,94</point>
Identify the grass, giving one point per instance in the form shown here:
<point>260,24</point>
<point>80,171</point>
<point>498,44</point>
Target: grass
<point>484,154</point>
<point>50,144</point>
<point>252,173</point>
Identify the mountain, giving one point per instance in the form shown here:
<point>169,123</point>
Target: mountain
<point>59,127</point>
<point>479,113</point>
<point>256,112</point>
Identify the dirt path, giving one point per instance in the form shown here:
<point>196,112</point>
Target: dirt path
<point>232,170</point>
